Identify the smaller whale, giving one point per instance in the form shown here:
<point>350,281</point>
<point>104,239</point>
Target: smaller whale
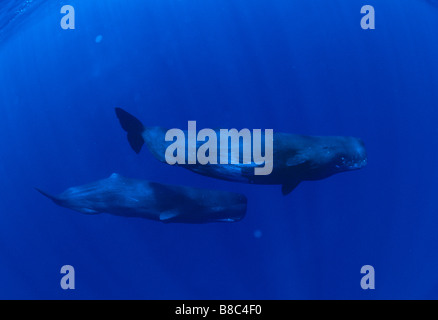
<point>126,197</point>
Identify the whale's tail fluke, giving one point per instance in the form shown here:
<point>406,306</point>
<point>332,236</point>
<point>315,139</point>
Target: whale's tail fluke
<point>53,198</point>
<point>133,127</point>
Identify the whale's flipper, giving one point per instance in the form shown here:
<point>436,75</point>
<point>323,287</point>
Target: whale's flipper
<point>133,127</point>
<point>289,187</point>
<point>168,215</point>
<point>87,211</point>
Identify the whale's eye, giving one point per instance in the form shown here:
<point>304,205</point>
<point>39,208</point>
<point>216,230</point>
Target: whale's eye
<point>327,150</point>
<point>342,160</point>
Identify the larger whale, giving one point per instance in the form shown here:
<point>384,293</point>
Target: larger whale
<point>126,197</point>
<point>296,158</point>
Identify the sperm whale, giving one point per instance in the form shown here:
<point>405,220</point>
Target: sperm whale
<point>296,158</point>
<point>127,197</point>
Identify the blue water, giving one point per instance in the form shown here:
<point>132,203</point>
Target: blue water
<point>295,66</point>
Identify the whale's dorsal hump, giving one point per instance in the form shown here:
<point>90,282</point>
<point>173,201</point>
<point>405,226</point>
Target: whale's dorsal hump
<point>115,176</point>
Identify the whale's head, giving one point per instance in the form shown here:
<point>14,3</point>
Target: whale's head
<point>345,154</point>
<point>337,154</point>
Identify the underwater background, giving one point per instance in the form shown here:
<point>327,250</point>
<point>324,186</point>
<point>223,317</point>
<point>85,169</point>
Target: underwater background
<point>303,67</point>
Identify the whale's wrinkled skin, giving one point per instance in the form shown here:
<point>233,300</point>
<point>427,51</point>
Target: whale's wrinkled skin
<point>126,197</point>
<point>296,158</point>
